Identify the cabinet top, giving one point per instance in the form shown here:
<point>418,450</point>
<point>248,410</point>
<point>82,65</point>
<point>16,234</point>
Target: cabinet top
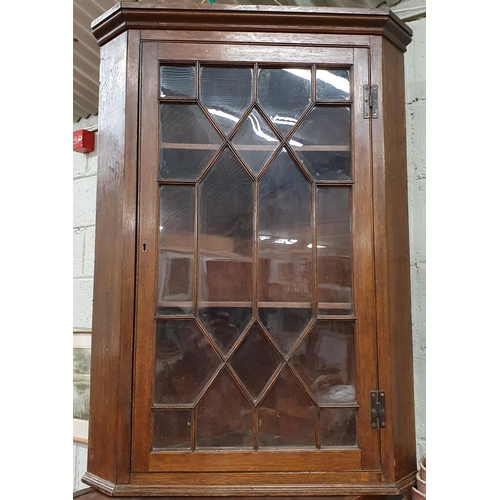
<point>253,18</point>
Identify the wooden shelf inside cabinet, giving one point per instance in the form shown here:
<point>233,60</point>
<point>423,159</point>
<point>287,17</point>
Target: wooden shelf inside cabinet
<point>224,387</point>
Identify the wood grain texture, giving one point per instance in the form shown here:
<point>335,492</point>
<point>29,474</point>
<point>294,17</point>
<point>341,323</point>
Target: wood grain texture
<point>91,494</point>
<point>114,275</point>
<point>120,459</point>
<point>128,15</point>
<point>392,263</point>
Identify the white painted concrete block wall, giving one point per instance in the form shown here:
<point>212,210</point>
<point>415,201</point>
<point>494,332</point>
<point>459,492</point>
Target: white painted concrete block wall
<point>84,184</point>
<point>415,119</point>
<point>84,206</point>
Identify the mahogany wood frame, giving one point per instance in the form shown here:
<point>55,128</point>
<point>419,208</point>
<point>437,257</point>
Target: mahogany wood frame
<point>122,33</point>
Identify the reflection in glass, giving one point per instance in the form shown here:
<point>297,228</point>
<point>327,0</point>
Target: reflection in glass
<point>224,416</point>
<point>255,361</point>
<point>334,249</point>
<point>325,362</point>
<point>285,324</point>
<point>255,141</point>
<point>172,429</point>
<point>287,415</point>
<point>174,311</point>
<point>285,231</point>
<point>338,427</point>
<point>323,142</point>
<point>185,362</point>
<point>226,92</point>
<point>284,94</point>
<point>225,324</point>
<point>332,84</point>
<point>226,231</point>
<point>177,81</point>
<point>176,249</point>
<point>81,382</point>
<point>188,141</point>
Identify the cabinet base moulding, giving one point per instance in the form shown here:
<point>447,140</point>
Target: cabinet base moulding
<point>241,491</point>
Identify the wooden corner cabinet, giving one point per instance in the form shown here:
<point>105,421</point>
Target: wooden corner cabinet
<point>251,328</point>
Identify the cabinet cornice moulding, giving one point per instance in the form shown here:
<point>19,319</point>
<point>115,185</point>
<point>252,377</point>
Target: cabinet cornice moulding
<point>132,15</point>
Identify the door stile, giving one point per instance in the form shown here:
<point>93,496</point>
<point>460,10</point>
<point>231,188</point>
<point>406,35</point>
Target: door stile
<point>363,266</point>
<point>147,261</point>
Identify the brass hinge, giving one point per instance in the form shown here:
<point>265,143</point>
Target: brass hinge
<point>377,399</point>
<point>370,101</point>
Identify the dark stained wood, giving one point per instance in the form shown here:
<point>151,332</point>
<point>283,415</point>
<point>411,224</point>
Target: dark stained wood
<point>392,262</point>
<point>372,43</point>
<point>250,53</point>
<point>363,267</point>
<point>91,494</point>
<point>349,21</point>
<point>147,261</point>
<point>256,38</point>
<point>114,275</point>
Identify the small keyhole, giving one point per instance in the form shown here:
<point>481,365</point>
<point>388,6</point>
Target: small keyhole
<point>144,247</point>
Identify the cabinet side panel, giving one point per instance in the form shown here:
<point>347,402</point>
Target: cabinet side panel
<point>110,394</point>
<point>398,342</point>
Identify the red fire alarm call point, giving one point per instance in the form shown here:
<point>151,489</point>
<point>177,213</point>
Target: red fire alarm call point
<point>83,141</point>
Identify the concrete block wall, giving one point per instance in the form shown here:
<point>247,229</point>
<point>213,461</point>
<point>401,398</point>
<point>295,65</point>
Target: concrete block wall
<point>415,82</point>
<point>84,203</point>
<point>84,189</point>
<point>84,207</point>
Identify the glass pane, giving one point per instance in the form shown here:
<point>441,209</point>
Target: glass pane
<point>172,429</point>
<point>285,324</point>
<point>177,81</point>
<point>325,362</point>
<point>255,141</point>
<point>284,94</point>
<point>332,84</point>
<point>338,427</point>
<point>285,235</point>
<point>81,383</point>
<point>176,250</point>
<point>226,235</point>
<point>323,142</point>
<point>185,362</point>
<point>255,361</point>
<point>224,417</point>
<point>287,415</point>
<point>334,250</point>
<point>225,324</point>
<point>227,93</point>
<point>188,141</point>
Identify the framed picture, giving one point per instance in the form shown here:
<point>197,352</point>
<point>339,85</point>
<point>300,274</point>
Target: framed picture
<point>81,385</point>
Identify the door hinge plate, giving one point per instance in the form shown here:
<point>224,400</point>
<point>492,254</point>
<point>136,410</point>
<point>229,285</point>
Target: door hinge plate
<point>377,400</point>
<point>370,101</point>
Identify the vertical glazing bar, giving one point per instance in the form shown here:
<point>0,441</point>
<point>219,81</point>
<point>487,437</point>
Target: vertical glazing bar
<point>196,216</point>
<point>255,250</point>
<point>314,253</point>
<point>314,266</point>
<point>193,429</point>
<point>254,82</point>
<point>318,429</point>
<point>255,429</point>
<point>196,245</point>
<point>313,82</point>
<point>197,80</point>
<point>255,309</point>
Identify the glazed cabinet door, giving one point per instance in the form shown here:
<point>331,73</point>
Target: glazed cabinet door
<point>255,346</point>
